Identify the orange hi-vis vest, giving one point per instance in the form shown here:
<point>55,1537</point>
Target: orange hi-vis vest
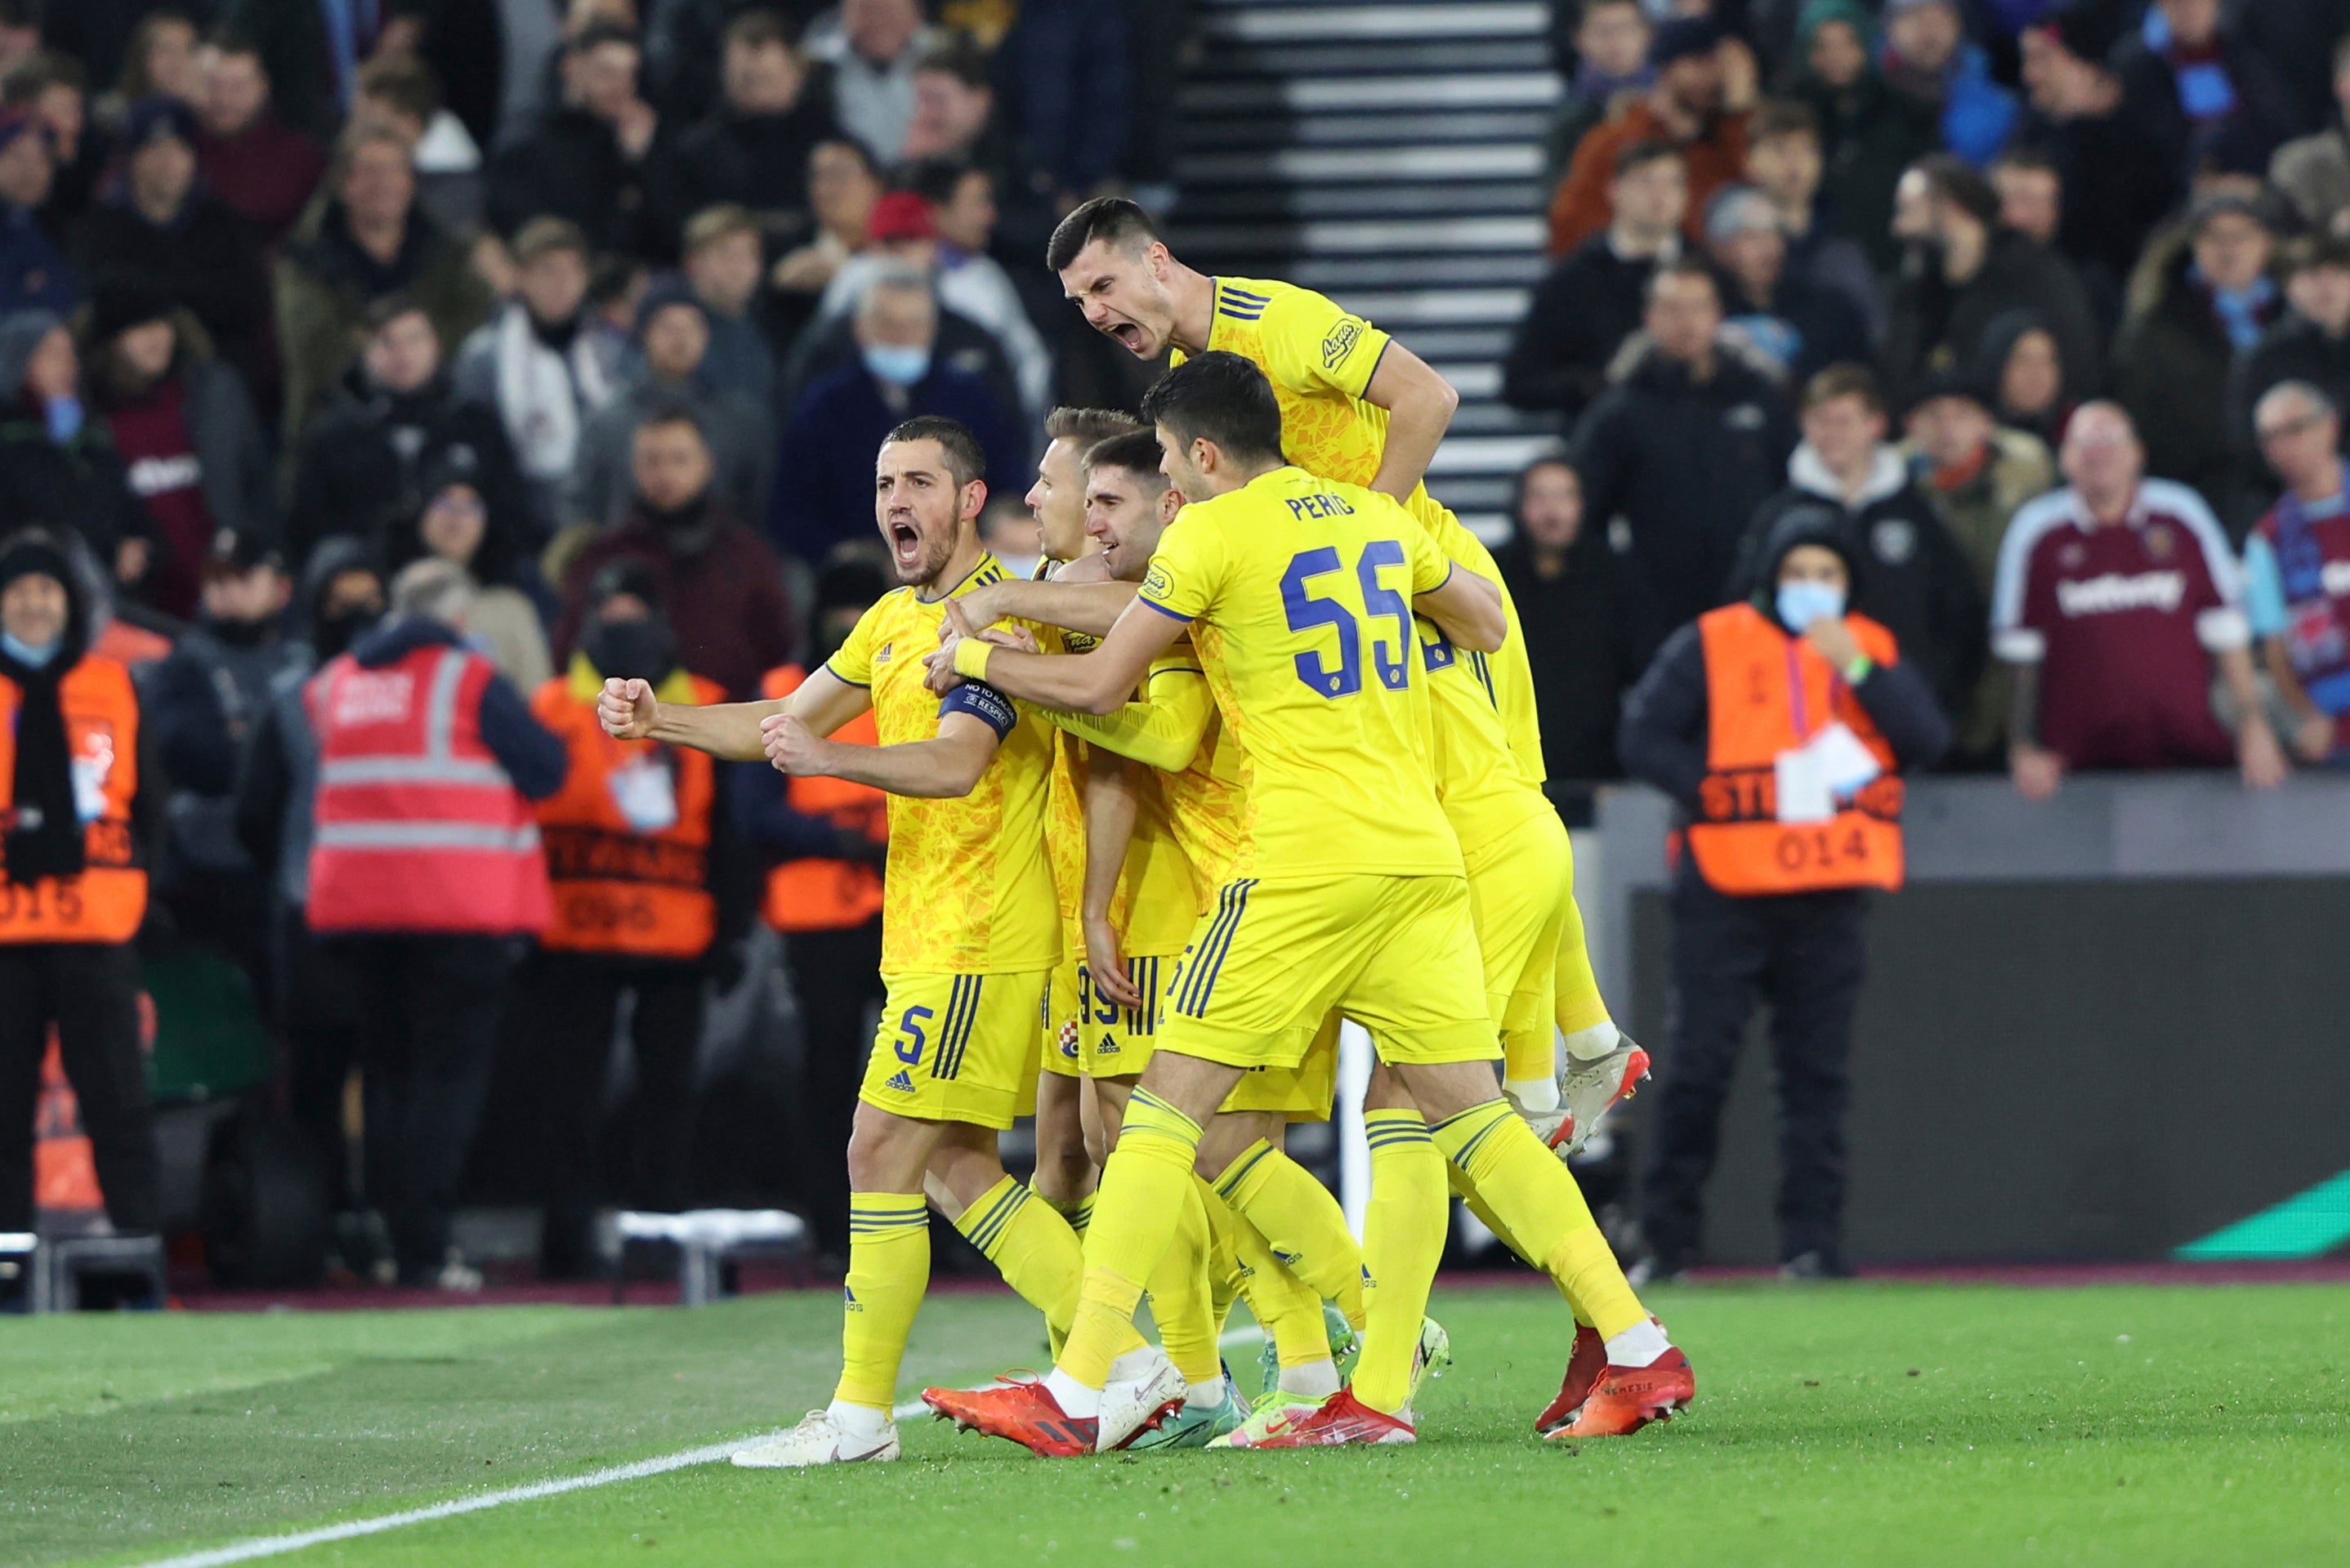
<point>811,895</point>
<point>1767,692</point>
<point>620,887</point>
<point>418,829</point>
<point>107,901</point>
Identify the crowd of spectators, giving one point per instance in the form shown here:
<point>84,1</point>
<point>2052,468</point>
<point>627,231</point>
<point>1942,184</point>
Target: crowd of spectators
<point>1916,265</point>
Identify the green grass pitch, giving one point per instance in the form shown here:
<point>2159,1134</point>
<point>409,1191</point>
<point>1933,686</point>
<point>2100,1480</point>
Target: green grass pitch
<point>1854,1424</point>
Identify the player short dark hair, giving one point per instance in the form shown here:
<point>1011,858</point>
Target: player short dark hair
<point>1088,427</point>
<point>1113,220</point>
<point>1637,155</point>
<point>1845,381</point>
<point>1218,397</point>
<point>1137,452</point>
<point>1783,117</point>
<point>966,460</point>
<point>1954,181</point>
<point>757,30</point>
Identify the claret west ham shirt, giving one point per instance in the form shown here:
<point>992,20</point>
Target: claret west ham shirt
<point>2122,620</point>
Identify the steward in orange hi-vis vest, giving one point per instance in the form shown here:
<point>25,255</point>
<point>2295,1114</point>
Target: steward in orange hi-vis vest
<point>815,894</point>
<point>627,837</point>
<point>105,901</point>
<point>1767,694</point>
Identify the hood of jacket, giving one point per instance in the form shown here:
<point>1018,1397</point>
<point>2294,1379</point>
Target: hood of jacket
<point>1808,472</point>
<point>1806,523</point>
<point>1741,370</point>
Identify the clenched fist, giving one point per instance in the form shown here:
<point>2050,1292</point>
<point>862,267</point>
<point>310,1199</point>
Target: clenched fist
<point>791,746</point>
<point>626,709</point>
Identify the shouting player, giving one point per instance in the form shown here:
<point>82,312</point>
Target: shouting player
<point>969,934</point>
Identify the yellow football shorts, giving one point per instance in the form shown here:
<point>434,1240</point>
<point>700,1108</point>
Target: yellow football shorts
<point>957,1047</point>
<point>1095,1037</point>
<point>1060,1010</point>
<point>1521,887</point>
<point>1269,964</point>
<point>1303,1093</point>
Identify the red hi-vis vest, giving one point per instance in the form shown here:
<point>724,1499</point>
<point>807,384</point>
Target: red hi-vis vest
<point>620,888</point>
<point>1767,692</point>
<point>107,901</point>
<point>419,827</point>
<point>814,895</point>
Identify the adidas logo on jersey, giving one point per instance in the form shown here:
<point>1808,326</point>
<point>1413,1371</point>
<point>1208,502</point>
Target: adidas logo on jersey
<point>900,1081</point>
<point>882,655</point>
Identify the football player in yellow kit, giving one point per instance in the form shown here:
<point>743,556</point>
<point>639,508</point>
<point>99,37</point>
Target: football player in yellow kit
<point>970,933</point>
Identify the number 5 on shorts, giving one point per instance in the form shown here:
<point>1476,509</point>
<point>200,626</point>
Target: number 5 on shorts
<point>909,1052</point>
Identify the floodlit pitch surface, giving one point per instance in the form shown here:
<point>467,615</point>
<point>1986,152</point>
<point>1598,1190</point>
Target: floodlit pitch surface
<point>1851,1424</point>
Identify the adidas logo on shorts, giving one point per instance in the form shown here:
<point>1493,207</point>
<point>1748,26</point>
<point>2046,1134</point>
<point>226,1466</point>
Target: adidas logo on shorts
<point>903,1084</point>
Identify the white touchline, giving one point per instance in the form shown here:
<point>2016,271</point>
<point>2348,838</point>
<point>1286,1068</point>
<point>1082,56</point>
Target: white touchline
<point>708,1454</point>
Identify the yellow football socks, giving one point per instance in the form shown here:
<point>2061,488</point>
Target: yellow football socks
<point>1224,1257</point>
<point>1136,1213</point>
<point>1577,1004</point>
<point>1493,1221</point>
<point>1303,1223</point>
<point>1284,1306</point>
<point>1539,1202</point>
<point>1179,1301</point>
<point>1403,1239</point>
<point>1032,1246</point>
<point>889,1269</point>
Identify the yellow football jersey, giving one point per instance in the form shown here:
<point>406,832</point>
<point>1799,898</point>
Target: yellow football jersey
<point>969,890</point>
<point>1298,592</point>
<point>1486,792</point>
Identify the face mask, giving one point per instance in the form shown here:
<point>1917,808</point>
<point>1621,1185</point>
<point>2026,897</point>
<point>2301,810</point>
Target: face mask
<point>631,649</point>
<point>900,365</point>
<point>25,653</point>
<point>1802,603</point>
<point>333,634</point>
<point>65,417</point>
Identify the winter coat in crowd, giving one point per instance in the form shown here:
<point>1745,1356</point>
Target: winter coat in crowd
<point>722,585</point>
<point>740,434</point>
<point>58,468</point>
<point>2240,110</point>
<point>546,384</point>
<point>2294,350</point>
<point>1578,209</point>
<point>975,287</point>
<point>1590,629</point>
<point>1937,326</point>
<point>206,702</point>
<point>1869,135</point>
<point>1914,578</point>
<point>1822,258</point>
<point>824,348</point>
<point>1684,463</point>
<point>1583,309</point>
<point>573,166</point>
<point>326,283</point>
<point>267,172</point>
<point>207,258</point>
<point>1802,328</point>
<point>34,275</point>
<point>1973,114</point>
<point>363,466</point>
<point>755,160</point>
<point>2116,187</point>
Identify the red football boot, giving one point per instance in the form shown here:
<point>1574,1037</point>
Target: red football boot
<point>1628,1397</point>
<point>1340,1419</point>
<point>1020,1408</point>
<point>1584,1365</point>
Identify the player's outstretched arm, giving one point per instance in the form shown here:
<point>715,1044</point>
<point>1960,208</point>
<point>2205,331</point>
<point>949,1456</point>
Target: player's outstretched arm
<point>1162,729</point>
<point>1088,607</point>
<point>1096,682</point>
<point>629,712</point>
<point>1419,405</point>
<point>945,768</point>
<point>1468,607</point>
<point>1111,804</point>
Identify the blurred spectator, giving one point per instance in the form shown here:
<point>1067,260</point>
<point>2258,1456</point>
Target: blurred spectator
<point>2297,569</point>
<point>1979,473</point>
<point>2030,191</point>
<point>1771,895</point>
<point>1962,270</point>
<point>22,24</point>
<point>1066,68</point>
<point>2200,301</point>
<point>1611,63</point>
<point>161,62</point>
<point>58,468</point>
<point>2020,364</point>
<point>249,158</point>
<point>753,150</point>
<point>54,87</point>
<point>832,838</point>
<point>1799,328</point>
<point>2297,39</point>
<point>1868,134</point>
<point>587,160</point>
<point>723,266</point>
<point>32,272</point>
<point>2118,185</point>
<point>65,958</point>
<point>1929,60</point>
<point>399,92</point>
<point>457,525</point>
<point>2311,343</point>
<point>2197,97</point>
<point>844,187</point>
<point>673,339</point>
<point>874,47</point>
<point>540,364</point>
<point>425,866</point>
<point>360,468</point>
<point>723,584</point>
<point>367,243</point>
<point>1009,531</point>
<point>1590,622</point>
<point>2314,171</point>
<point>312,53</point>
<point>1783,161</point>
<point>1699,104</point>
<point>315,1006</point>
<point>1913,578</point>
<point>931,229</point>
<point>2115,598</point>
<point>1684,444</point>
<point>826,495</point>
<point>204,704</point>
<point>162,228</point>
<point>190,444</point>
<point>1591,299</point>
<point>636,850</point>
